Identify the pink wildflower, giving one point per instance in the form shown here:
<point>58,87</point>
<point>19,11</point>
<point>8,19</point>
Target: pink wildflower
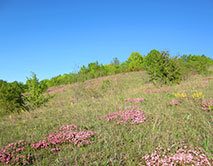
<point>13,120</point>
<point>180,157</point>
<point>65,134</point>
<point>205,107</point>
<point>129,116</point>
<point>68,127</point>
<point>174,102</point>
<point>13,154</point>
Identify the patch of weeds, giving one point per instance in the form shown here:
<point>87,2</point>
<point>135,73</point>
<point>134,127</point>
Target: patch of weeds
<point>106,84</point>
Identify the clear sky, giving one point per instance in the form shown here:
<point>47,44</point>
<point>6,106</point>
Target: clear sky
<point>52,37</point>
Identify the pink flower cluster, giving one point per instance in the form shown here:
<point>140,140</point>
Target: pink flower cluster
<point>66,134</point>
<point>182,156</point>
<point>68,127</point>
<point>156,91</point>
<point>14,154</point>
<point>207,104</point>
<point>138,100</point>
<point>129,116</point>
<point>205,107</point>
<point>174,102</point>
<point>13,120</point>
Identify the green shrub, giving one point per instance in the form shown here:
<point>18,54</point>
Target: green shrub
<point>110,69</point>
<point>123,67</point>
<point>163,69</point>
<point>35,96</point>
<point>11,99</point>
<point>195,64</point>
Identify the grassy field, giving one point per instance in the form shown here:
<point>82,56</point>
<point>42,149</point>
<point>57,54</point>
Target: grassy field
<point>183,123</point>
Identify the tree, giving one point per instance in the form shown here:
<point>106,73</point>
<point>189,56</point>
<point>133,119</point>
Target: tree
<point>135,61</point>
<point>151,59</point>
<point>35,97</point>
<point>163,69</point>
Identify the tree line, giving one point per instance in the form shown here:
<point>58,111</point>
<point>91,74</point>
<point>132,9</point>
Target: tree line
<point>160,66</point>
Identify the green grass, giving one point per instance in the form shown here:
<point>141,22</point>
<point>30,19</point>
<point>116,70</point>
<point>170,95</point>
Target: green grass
<point>115,144</point>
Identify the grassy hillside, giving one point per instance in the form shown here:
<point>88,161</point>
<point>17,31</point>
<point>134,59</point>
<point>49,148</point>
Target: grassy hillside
<point>181,123</point>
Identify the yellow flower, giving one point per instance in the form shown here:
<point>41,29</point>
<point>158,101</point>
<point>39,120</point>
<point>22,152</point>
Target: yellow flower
<point>197,95</point>
<point>24,121</point>
<point>183,94</point>
<point>177,94</point>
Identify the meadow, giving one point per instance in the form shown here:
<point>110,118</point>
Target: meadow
<point>121,119</point>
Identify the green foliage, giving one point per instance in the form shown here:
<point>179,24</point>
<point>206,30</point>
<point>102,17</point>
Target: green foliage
<point>163,69</point>
<point>11,99</point>
<point>195,63</point>
<point>94,70</point>
<point>110,69</point>
<point>159,65</point>
<point>35,97</point>
<point>135,61</point>
<point>123,67</point>
<point>151,59</point>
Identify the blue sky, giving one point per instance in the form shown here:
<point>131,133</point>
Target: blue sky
<point>52,37</point>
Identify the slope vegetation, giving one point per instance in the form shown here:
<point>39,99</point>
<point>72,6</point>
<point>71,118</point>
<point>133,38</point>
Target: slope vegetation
<point>116,120</point>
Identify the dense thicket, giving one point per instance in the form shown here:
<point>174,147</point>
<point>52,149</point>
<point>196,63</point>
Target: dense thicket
<point>11,98</point>
<point>161,67</point>
<point>195,63</point>
<point>16,97</point>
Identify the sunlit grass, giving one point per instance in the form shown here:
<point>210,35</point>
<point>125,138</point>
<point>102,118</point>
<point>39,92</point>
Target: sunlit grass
<point>117,144</point>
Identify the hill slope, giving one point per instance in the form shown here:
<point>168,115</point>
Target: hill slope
<point>168,125</point>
